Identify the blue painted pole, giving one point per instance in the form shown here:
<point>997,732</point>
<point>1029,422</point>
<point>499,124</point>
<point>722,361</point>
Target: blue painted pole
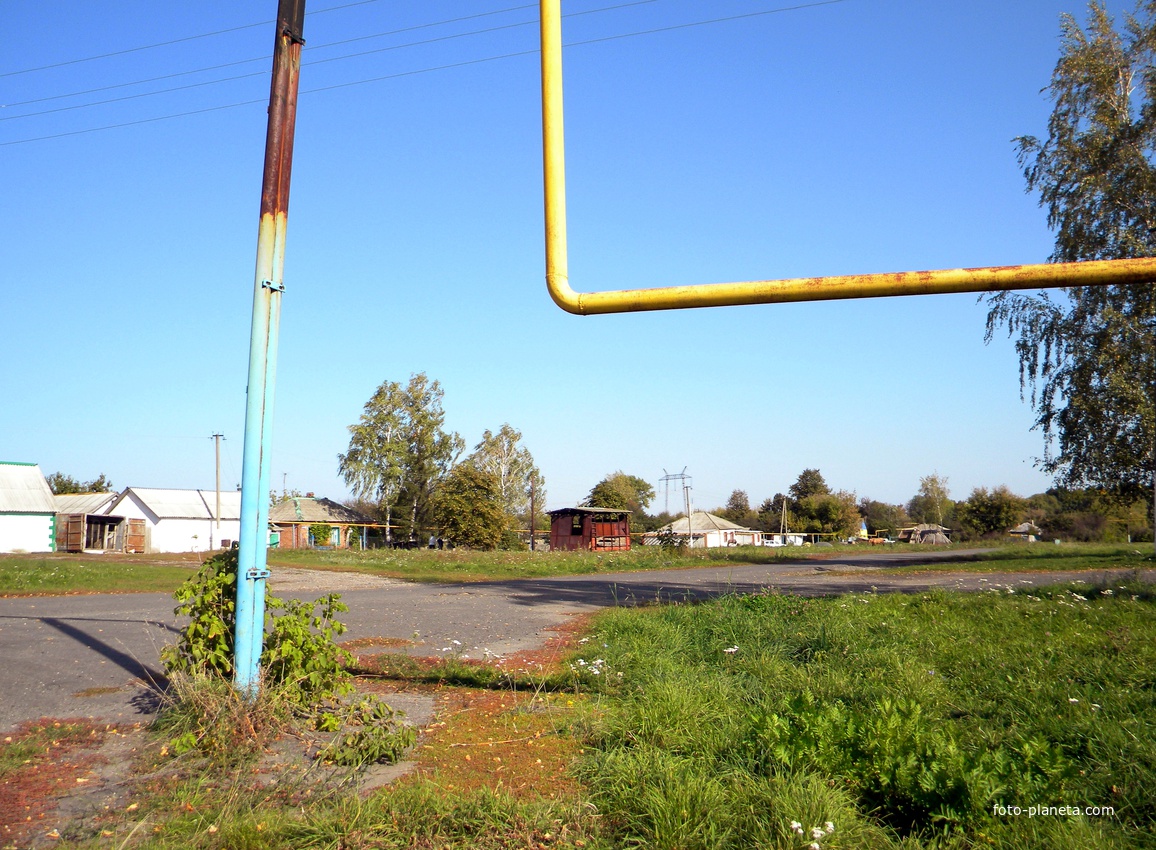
<point>256,471</point>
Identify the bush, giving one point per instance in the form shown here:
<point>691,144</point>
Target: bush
<point>304,676</point>
<point>321,533</point>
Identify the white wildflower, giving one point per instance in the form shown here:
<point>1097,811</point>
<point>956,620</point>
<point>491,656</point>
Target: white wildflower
<point>829,827</point>
<point>796,827</point>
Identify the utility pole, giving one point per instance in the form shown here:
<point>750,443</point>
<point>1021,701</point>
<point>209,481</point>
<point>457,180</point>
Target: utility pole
<point>264,337</point>
<point>689,528</point>
<point>216,438</point>
<point>532,507</point>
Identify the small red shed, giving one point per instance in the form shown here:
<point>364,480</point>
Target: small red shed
<point>592,529</point>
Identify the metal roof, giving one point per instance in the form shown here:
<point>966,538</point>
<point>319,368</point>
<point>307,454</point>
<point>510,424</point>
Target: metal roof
<point>308,509</point>
<point>23,489</point>
<point>582,509</point>
<point>84,503</point>
<point>703,522</point>
<point>188,504</point>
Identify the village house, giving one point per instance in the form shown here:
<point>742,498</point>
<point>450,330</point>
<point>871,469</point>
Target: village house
<point>27,512</point>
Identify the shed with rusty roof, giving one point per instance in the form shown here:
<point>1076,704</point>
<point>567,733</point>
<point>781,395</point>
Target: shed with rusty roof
<point>590,529</point>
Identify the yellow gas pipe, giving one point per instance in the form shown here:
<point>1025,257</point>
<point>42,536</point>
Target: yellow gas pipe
<point>1043,275</point>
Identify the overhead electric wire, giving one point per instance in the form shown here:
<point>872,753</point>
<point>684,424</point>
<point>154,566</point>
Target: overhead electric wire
<point>415,72</point>
<point>265,58</point>
<point>318,61</point>
<point>140,82</point>
<point>342,57</point>
<point>171,42</point>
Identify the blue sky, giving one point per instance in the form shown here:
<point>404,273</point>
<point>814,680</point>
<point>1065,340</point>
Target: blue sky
<point>855,136</point>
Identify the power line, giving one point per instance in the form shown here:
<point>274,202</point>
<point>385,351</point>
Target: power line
<point>317,62</point>
<point>171,42</point>
<point>416,72</point>
<point>265,57</point>
<point>711,21</point>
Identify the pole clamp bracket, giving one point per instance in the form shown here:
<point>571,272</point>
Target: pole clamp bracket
<point>255,574</point>
<point>268,284</point>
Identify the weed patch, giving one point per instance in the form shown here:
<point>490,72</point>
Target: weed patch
<point>305,679</point>
<point>917,718</point>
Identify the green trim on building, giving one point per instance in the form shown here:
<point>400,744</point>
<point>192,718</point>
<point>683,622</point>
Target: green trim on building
<point>15,463</point>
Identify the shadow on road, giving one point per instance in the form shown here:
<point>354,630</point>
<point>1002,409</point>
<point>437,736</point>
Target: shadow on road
<point>609,593</point>
<point>121,659</point>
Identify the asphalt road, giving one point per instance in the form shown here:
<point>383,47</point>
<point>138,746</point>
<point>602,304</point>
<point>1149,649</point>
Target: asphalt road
<point>96,656</point>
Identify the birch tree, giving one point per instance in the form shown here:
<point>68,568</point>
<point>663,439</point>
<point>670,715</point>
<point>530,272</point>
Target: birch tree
<point>1086,354</point>
<point>399,450</point>
<point>504,457</point>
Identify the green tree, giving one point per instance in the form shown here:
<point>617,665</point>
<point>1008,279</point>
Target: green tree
<point>1086,355</point>
<point>738,510</point>
<point>829,513</point>
<point>512,466</point>
<point>399,451</point>
<point>775,515</point>
<point>61,484</point>
<point>622,492</point>
<point>990,512</point>
<point>932,504</point>
<point>468,508</point>
<point>881,516</point>
<point>809,483</point>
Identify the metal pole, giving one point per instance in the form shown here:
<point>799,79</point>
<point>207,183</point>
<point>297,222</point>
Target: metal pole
<point>689,527</point>
<point>532,506</point>
<point>217,447</point>
<point>268,287</point>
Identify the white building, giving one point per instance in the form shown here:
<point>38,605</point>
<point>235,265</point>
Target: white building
<point>27,512</point>
<point>707,531</point>
<point>182,520</point>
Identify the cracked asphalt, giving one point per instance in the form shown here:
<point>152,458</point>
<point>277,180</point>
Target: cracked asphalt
<point>96,656</point>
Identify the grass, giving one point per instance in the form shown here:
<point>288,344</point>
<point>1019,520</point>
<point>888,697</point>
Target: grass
<point>423,565</point>
<point>1022,557</point>
<point>27,575</point>
<point>43,575</point>
<point>903,721</point>
<point>859,721</point>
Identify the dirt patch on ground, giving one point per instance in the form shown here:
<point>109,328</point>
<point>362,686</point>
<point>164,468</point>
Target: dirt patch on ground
<point>55,770</point>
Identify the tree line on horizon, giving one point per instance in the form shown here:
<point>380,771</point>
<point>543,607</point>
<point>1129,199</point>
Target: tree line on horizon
<point>811,506</point>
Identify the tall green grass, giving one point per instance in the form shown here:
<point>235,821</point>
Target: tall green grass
<point>901,721</point>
